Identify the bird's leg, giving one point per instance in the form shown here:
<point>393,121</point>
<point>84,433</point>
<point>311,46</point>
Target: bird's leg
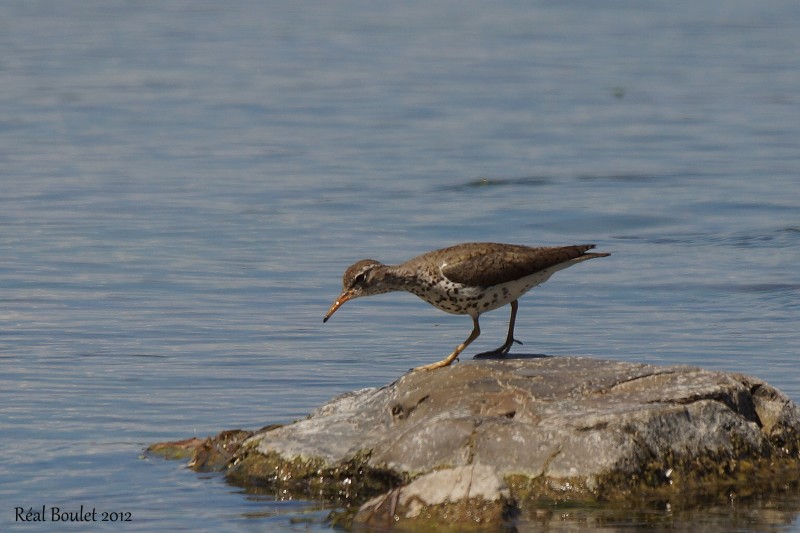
<point>476,330</point>
<point>510,340</point>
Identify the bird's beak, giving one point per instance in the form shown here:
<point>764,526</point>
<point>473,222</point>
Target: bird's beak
<point>346,295</point>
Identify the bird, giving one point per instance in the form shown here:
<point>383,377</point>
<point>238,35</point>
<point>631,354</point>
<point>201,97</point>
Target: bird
<point>466,279</point>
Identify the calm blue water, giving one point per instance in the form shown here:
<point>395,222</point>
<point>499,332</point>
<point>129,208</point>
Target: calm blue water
<point>183,184</point>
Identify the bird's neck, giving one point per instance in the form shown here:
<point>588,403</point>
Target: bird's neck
<point>395,278</point>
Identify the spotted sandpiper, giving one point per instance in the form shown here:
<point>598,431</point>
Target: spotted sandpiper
<point>465,279</point>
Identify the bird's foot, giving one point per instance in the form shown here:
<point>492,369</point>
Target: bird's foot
<point>432,366</point>
<point>499,352</point>
<point>438,364</point>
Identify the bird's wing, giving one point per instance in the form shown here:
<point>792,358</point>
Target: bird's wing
<point>505,265</point>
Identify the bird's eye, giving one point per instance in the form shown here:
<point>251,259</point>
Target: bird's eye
<point>361,277</point>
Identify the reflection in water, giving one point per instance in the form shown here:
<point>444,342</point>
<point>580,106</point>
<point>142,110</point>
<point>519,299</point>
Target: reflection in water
<point>772,512</point>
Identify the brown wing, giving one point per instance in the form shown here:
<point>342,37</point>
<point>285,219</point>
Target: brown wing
<point>494,264</point>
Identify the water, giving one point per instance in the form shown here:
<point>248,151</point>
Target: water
<point>183,184</point>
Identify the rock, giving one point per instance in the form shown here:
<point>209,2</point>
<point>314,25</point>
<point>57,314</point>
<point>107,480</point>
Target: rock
<point>461,498</point>
<point>181,449</point>
<point>482,439</point>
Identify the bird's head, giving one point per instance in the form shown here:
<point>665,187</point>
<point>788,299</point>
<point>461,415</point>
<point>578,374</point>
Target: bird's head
<point>360,279</point>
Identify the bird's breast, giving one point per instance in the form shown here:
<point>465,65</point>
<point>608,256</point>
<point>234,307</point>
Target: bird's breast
<point>461,299</point>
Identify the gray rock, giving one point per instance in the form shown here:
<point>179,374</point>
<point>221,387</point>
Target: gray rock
<point>473,494</point>
<point>534,429</point>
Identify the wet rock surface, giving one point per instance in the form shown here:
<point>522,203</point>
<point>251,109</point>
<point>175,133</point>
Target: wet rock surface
<point>476,442</point>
